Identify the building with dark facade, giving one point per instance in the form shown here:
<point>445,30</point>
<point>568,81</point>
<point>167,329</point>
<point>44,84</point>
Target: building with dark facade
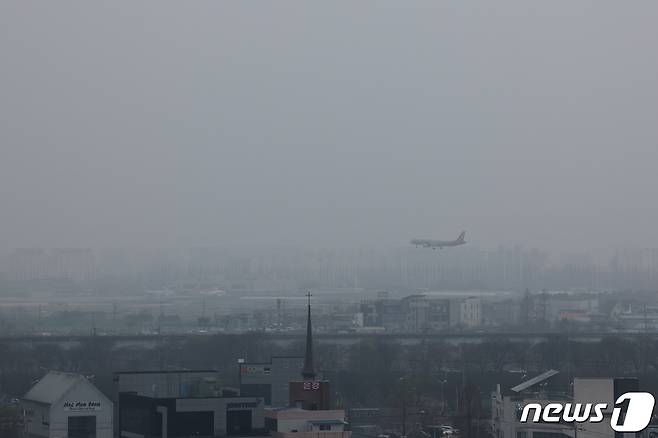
<point>270,380</point>
<point>170,404</point>
<point>150,417</point>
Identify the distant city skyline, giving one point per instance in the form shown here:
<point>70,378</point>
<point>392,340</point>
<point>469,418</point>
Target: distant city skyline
<point>504,268</point>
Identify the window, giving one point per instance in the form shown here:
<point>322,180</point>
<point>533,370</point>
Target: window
<point>325,427</point>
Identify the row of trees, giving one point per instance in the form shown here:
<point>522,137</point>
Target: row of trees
<point>439,378</point>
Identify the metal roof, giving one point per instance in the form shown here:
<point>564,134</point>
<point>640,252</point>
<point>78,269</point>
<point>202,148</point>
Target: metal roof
<point>537,379</point>
<point>332,421</point>
<point>52,387</point>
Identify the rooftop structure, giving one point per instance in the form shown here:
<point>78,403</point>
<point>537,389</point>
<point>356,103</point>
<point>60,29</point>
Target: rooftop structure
<point>303,423</point>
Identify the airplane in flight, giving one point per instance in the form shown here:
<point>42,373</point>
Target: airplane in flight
<point>434,244</point>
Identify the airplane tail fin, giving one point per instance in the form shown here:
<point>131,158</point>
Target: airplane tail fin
<point>461,236</point>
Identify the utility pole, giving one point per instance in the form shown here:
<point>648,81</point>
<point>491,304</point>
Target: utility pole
<point>404,417</point>
<point>646,338</point>
<point>544,306</point>
<point>159,329</point>
<point>443,393</point>
<point>403,382</point>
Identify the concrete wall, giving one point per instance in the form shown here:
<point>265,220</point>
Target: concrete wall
<point>506,412</point>
<point>163,384</point>
<point>82,392</point>
<point>35,416</point>
<point>51,421</point>
<point>220,406</point>
<point>600,390</point>
<point>277,374</point>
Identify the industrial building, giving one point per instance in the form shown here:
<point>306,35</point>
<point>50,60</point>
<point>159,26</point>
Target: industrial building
<point>507,406</point>
<point>168,384</point>
<point>302,423</point>
<point>171,404</point>
<point>270,380</point>
<point>172,417</point>
<point>65,405</point>
<point>422,313</point>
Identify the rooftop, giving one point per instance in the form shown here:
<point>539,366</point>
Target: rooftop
<point>535,380</point>
<point>52,387</point>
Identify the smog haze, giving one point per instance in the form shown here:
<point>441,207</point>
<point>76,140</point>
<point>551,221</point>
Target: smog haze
<point>156,124</point>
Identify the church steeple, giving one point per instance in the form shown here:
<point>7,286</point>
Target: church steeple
<point>308,373</point>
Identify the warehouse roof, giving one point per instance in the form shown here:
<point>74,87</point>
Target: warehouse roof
<point>535,380</point>
<point>52,387</point>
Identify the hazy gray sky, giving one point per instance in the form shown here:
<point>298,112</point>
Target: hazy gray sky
<point>335,123</point>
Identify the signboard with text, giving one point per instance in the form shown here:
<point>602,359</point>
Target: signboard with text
<point>82,405</point>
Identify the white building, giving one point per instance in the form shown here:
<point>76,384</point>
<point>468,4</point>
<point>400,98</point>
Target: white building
<point>302,423</point>
<point>64,405</point>
<point>601,390</point>
<point>507,406</point>
<point>466,312</point>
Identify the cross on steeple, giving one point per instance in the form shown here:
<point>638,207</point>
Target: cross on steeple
<point>308,372</point>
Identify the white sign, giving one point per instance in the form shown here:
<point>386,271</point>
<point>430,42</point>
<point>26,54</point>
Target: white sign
<point>311,385</point>
<point>637,418</point>
<point>78,405</point>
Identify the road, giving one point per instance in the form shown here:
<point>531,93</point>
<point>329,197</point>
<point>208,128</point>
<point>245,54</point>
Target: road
<point>284,339</point>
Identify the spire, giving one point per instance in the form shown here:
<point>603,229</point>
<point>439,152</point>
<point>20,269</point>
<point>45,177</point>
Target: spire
<point>308,372</point>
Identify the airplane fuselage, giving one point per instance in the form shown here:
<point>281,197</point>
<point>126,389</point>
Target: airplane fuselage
<point>434,244</point>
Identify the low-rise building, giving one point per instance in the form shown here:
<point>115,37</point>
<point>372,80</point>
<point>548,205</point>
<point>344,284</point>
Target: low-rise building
<point>141,416</point>
<point>270,379</point>
<point>168,384</point>
<point>507,407</point>
<point>411,314</point>
<point>303,423</point>
<point>601,390</point>
<point>470,312</point>
<point>183,403</point>
<point>66,405</point>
